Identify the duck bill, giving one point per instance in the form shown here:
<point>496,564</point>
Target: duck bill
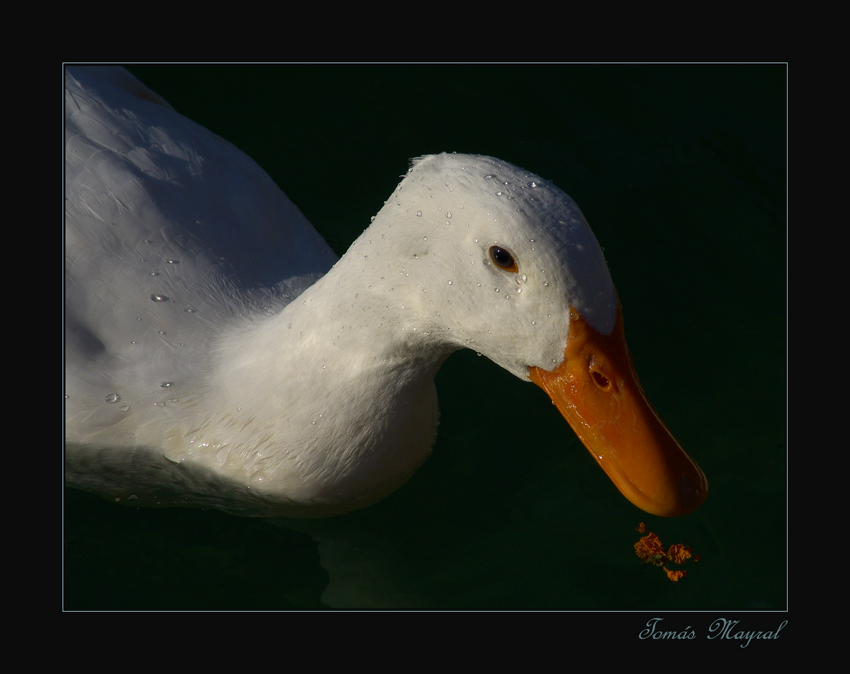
<point>598,392</point>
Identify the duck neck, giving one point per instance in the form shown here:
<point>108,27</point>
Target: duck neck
<point>348,321</point>
<point>341,387</point>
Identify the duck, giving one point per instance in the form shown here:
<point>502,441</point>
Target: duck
<point>218,354</point>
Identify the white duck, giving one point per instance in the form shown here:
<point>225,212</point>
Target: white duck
<point>210,363</point>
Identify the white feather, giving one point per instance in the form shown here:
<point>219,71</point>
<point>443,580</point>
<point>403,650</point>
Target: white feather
<point>217,356</point>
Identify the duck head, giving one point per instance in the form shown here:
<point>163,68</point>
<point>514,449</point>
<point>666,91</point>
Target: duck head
<point>503,262</point>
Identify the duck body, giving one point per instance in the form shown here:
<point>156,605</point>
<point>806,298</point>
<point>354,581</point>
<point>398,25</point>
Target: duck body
<point>219,355</point>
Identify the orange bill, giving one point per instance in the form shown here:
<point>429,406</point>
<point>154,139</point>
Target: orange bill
<point>596,388</point>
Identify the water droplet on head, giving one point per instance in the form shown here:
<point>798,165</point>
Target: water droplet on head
<point>159,298</point>
<point>112,398</point>
<point>166,384</point>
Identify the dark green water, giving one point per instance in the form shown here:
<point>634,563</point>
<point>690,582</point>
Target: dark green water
<point>680,171</point>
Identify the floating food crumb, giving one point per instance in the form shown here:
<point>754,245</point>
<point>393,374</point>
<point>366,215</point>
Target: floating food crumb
<point>651,551</point>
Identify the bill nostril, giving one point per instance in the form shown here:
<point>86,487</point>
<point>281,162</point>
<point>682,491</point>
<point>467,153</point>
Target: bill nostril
<point>601,380</point>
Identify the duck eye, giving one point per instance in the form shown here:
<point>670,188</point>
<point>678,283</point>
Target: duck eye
<point>503,258</point>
